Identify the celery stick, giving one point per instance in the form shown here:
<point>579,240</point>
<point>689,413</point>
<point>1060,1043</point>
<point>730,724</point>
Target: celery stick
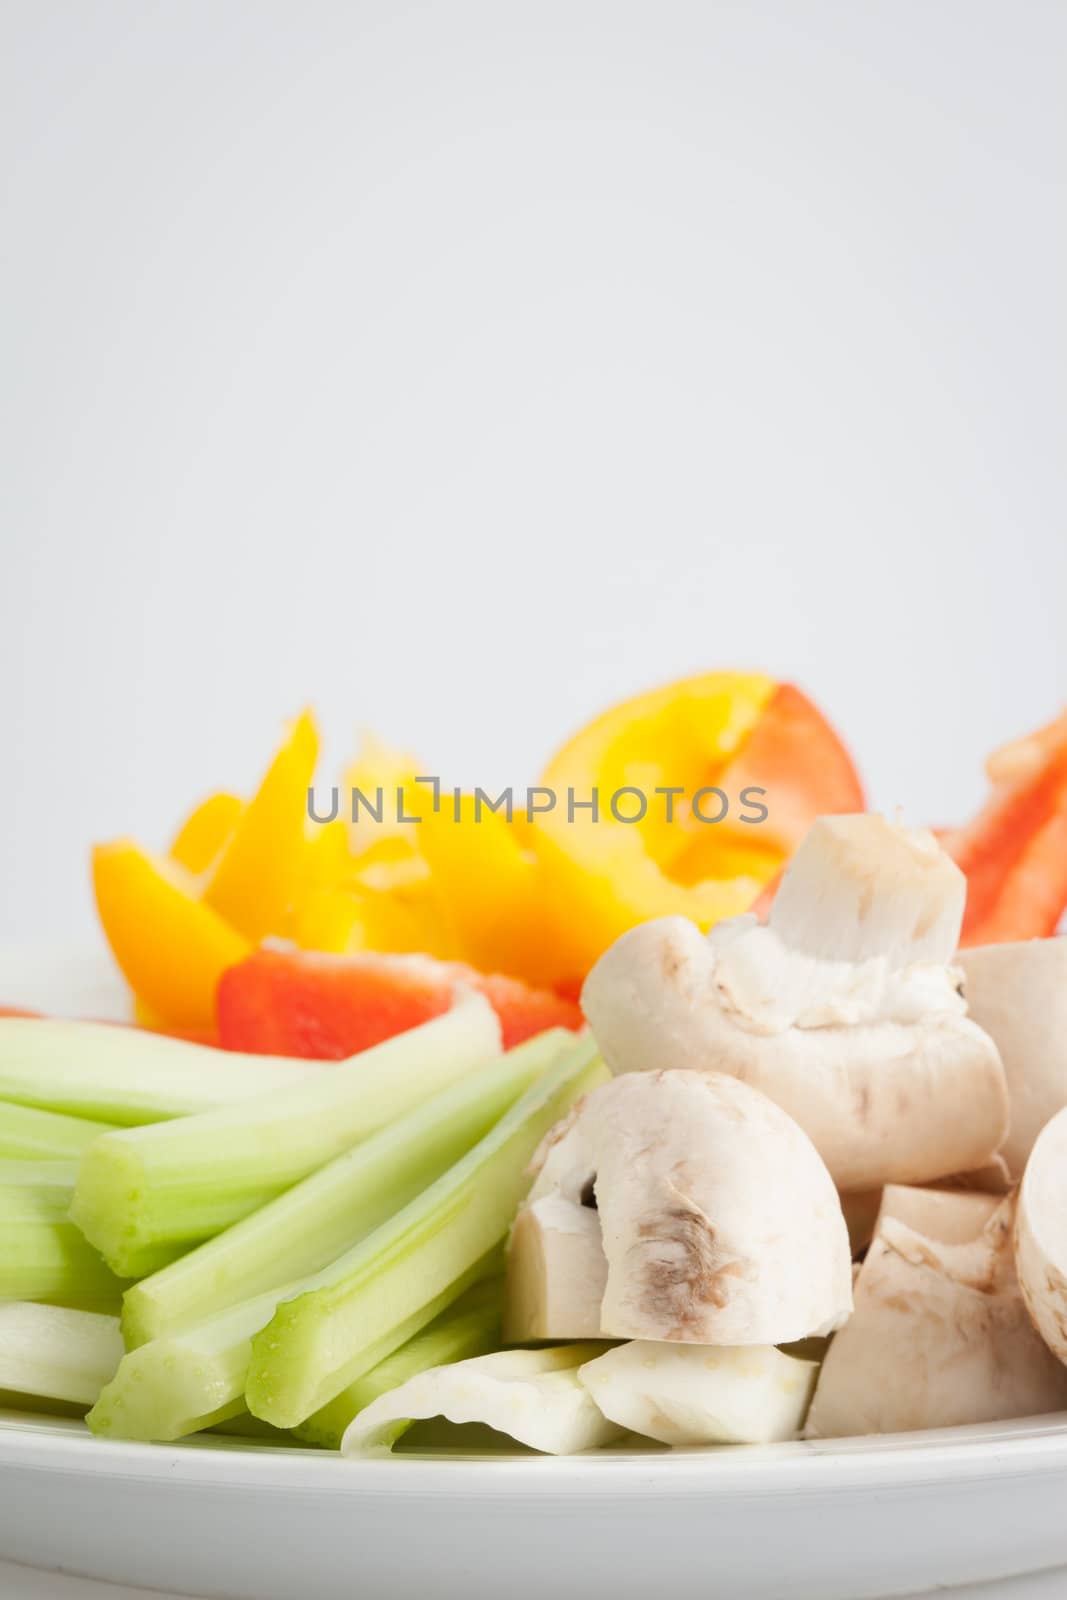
<point>54,1353</point>
<point>470,1327</point>
<point>317,1344</point>
<point>315,1221</point>
<point>50,1175</point>
<point>141,1191</point>
<point>179,1385</point>
<point>43,1256</point>
<point>195,1379</point>
<point>26,1132</point>
<point>129,1076</point>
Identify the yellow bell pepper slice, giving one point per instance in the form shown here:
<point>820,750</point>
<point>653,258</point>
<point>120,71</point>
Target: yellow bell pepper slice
<point>201,837</point>
<point>604,876</point>
<point>489,891</point>
<point>347,918</point>
<point>728,730</point>
<point>260,870</point>
<point>379,766</point>
<point>171,948</point>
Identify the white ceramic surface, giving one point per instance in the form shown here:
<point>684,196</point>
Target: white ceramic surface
<point>846,1521</point>
<point>843,1520</point>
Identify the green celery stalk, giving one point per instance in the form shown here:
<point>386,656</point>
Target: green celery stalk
<point>127,1075</point>
<point>26,1132</point>
<point>312,1223</point>
<point>182,1384</point>
<point>30,1174</point>
<point>470,1327</point>
<point>54,1353</point>
<point>43,1256</point>
<point>147,1194</point>
<point>195,1379</point>
<point>319,1343</point>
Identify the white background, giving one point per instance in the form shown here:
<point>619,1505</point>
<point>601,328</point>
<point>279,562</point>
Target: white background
<point>460,367</point>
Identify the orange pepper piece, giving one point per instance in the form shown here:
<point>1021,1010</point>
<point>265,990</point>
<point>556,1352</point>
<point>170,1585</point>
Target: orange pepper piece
<point>171,948</point>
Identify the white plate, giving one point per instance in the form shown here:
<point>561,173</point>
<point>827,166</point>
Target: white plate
<point>842,1520</point>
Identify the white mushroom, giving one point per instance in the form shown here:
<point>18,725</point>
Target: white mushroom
<point>534,1396</point>
<point>696,1394</point>
<point>557,1272</point>
<point>1018,994</point>
<point>946,1216</point>
<point>939,1336</point>
<point>718,1221</point>
<point>1041,1235</point>
<point>950,1213</point>
<point>872,1056</point>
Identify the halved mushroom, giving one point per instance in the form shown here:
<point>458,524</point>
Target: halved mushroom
<point>949,1215</point>
<point>939,1336</point>
<point>1041,1235</point>
<point>1018,994</point>
<point>718,1222</point>
<point>873,1056</point>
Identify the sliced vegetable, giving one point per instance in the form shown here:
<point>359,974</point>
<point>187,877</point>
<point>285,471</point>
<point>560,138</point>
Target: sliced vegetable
<point>259,871</point>
<point>940,1337</point>
<point>535,1396</point>
<point>205,831</point>
<point>523,1010</point>
<point>718,1220</point>
<point>1041,1237</point>
<point>726,730</point>
<point>301,1003</point>
<point>55,1353</point>
<point>144,1194</point>
<point>468,1328</point>
<point>324,1006</point>
<point>844,1008</point>
<point>27,1132</point>
<point>194,1379</point>
<point>330,1211</point>
<point>172,949</point>
<point>1014,852</point>
<point>126,1075</point>
<point>702,1394</point>
<point>185,1382</point>
<point>318,1344</point>
<point>506,926</point>
<point>42,1254</point>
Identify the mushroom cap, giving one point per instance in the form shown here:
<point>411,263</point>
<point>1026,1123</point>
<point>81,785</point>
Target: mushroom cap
<point>940,1336</point>
<point>719,1222</point>
<point>1041,1235</point>
<point>1018,994</point>
<point>882,1101</point>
